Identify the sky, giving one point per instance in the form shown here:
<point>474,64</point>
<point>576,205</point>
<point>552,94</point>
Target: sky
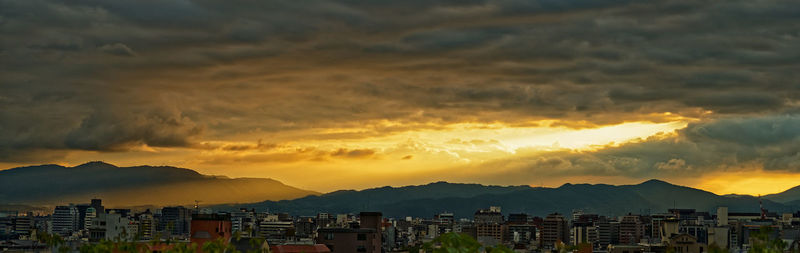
<point>350,94</point>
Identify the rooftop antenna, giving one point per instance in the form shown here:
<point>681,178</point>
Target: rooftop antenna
<point>761,206</point>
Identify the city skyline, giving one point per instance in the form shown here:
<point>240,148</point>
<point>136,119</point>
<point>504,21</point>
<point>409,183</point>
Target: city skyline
<point>330,95</point>
<point>93,225</point>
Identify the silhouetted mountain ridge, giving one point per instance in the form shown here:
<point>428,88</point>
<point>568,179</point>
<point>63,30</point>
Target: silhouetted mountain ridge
<point>165,185</point>
<point>136,185</point>
<point>463,199</point>
<point>790,195</point>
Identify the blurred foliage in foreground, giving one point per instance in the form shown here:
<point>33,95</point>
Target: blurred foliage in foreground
<point>459,243</point>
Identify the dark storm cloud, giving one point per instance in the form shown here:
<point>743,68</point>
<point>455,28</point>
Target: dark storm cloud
<point>45,132</point>
<point>771,143</point>
<point>107,75</point>
<point>106,130</point>
<point>41,122</point>
<point>753,132</point>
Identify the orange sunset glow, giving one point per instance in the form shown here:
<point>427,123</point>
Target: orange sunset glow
<point>336,95</point>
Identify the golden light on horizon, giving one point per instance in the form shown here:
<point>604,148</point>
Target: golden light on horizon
<point>754,182</point>
<point>411,156</point>
<point>422,154</point>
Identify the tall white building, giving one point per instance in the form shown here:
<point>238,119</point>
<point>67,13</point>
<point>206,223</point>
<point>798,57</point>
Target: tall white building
<point>91,213</point>
<point>64,220</point>
<point>275,232</point>
<point>722,216</point>
<point>244,222</point>
<point>119,227</point>
<point>148,226</point>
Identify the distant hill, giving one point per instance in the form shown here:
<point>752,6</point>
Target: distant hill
<point>463,199</point>
<point>131,186</point>
<point>791,195</point>
<point>47,185</point>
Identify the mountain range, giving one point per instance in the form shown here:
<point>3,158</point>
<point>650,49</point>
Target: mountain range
<point>163,185</point>
<point>133,186</point>
<point>463,200</point>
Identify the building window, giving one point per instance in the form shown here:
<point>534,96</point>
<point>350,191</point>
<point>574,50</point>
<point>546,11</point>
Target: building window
<point>362,237</point>
<point>361,248</point>
<point>329,236</point>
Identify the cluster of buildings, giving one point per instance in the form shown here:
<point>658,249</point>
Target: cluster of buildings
<point>677,230</point>
<point>682,230</point>
<point>93,222</point>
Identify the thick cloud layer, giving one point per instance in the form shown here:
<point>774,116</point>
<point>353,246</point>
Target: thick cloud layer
<point>109,75</point>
